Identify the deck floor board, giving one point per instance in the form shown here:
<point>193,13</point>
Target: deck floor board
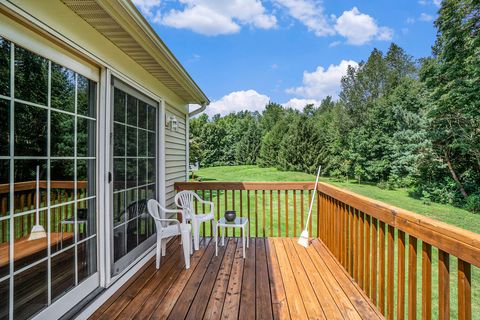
<point>277,280</point>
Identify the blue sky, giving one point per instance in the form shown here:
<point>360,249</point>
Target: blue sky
<point>244,53</point>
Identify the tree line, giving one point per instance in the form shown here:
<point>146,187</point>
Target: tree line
<point>398,122</point>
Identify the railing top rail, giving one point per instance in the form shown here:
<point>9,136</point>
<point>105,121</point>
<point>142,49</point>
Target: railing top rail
<point>215,185</point>
<point>31,185</point>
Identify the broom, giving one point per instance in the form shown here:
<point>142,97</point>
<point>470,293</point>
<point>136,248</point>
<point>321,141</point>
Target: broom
<point>38,231</point>
<point>303,240</point>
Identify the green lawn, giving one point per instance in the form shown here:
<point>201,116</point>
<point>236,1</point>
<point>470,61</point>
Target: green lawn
<point>266,222</point>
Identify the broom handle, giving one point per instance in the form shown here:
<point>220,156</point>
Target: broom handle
<point>313,197</point>
<point>38,197</point>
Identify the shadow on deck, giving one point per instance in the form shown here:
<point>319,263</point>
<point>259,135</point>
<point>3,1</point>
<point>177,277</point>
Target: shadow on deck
<point>278,280</point>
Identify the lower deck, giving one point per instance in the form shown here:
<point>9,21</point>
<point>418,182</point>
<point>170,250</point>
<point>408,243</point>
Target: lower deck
<point>278,280</point>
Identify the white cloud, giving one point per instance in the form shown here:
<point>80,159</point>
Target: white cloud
<point>215,17</point>
<point>299,104</point>
<point>410,20</point>
<point>438,3</point>
<point>310,13</point>
<point>425,17</point>
<point>147,7</point>
<point>360,28</point>
<point>323,82</point>
<point>238,100</point>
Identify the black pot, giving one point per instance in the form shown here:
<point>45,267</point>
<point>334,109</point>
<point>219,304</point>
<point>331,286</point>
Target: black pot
<point>230,215</point>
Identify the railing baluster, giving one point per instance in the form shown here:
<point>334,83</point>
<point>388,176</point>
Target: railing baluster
<point>367,255</point>
<point>225,204</point>
<point>443,285</point>
<point>310,221</point>
<point>390,270</point>
<point>279,234</point>
<point>412,278</point>
<point>256,213</point>
<point>211,224</point>
<point>286,213</point>
<point>362,250</point>
<point>464,290</point>
<point>203,211</point>
<point>426,281</point>
<point>401,276</point>
<point>381,257</point>
<point>302,223</point>
<point>351,245</point>
<point>295,213</point>
<point>271,213</point>
<point>263,213</point>
<point>248,213</point>
<point>356,255</point>
<point>373,278</point>
<point>318,213</point>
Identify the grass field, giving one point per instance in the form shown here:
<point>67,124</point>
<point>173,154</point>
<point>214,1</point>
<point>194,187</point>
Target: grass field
<point>267,220</point>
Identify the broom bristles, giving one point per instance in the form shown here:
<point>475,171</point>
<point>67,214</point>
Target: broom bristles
<point>37,232</point>
<point>303,240</point>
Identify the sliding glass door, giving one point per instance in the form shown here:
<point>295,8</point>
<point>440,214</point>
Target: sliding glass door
<point>134,146</point>
<point>48,239</point>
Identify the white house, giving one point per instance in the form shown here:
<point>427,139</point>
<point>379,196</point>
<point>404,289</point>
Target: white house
<point>92,97</point>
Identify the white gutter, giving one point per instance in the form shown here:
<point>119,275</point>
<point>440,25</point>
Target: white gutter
<point>197,111</point>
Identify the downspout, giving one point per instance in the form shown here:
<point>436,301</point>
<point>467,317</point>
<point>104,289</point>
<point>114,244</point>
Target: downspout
<point>202,108</point>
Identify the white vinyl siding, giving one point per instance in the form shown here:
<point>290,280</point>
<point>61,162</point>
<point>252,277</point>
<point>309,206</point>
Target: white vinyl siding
<point>175,153</point>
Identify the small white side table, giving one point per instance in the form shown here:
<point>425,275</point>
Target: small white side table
<point>238,223</point>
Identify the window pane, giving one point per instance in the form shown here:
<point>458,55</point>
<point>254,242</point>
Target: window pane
<point>62,224</point>
<point>119,208</point>
<point>86,137</point>
<point>131,173</point>
<point>131,110</point>
<point>31,76</point>
<point>132,235</point>
<point>142,172</point>
<point>86,219</point>
<point>63,88</point>
<point>4,67</point>
<point>119,140</point>
<point>26,171</point>
<point>62,181</point>
<point>62,134</point>
<point>151,145</point>
<point>30,130</point>
<point>29,251</point>
<point>87,259</point>
<point>119,98</point>
<point>142,114</point>
<point>4,249</point>
<point>4,189</point>
<point>131,142</point>
<point>142,143</point>
<point>86,178</point>
<point>86,97</point>
<point>152,121</point>
<point>30,291</point>
<point>151,171</point>
<point>132,208</point>
<point>63,273</point>
<point>4,127</point>
<point>118,174</point>
<point>119,245</point>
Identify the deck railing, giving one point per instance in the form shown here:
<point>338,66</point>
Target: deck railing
<point>409,265</point>
<point>61,192</point>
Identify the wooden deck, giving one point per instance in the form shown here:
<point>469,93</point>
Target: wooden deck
<point>278,280</point>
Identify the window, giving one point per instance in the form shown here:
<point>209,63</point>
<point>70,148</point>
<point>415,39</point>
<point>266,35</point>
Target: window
<point>47,143</point>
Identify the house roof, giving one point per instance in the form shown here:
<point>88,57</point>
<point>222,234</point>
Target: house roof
<point>121,23</point>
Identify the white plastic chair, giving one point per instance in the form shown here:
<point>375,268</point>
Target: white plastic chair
<point>167,228</point>
<point>186,201</point>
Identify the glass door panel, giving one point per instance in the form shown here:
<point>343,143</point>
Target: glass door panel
<point>134,174</point>
<point>47,152</point>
